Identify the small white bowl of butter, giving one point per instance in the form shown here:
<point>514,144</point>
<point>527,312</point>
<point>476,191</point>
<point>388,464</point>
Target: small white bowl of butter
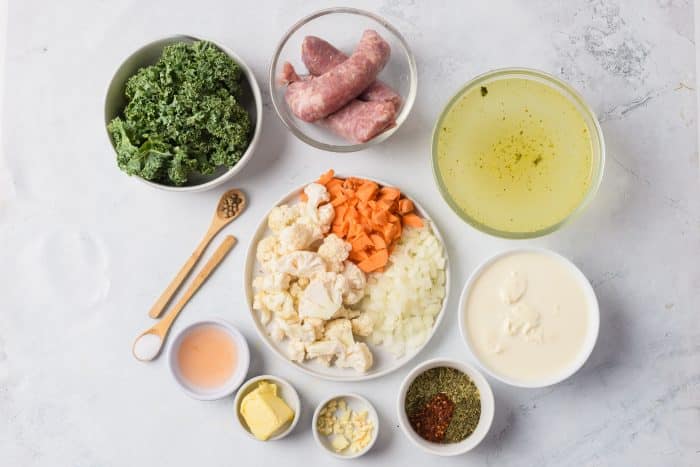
<point>529,317</point>
<point>269,395</point>
<point>346,426</point>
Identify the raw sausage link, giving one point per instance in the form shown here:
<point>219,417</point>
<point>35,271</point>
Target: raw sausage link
<point>319,56</point>
<point>318,97</point>
<point>360,121</point>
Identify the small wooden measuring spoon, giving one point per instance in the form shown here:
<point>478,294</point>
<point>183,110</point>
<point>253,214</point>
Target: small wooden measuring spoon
<point>148,344</point>
<point>230,206</point>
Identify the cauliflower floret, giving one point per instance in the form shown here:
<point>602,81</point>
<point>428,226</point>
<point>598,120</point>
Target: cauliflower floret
<point>362,325</point>
<point>258,301</point>
<point>272,282</point>
<point>315,195</point>
<point>320,299</point>
<point>295,237</point>
<point>297,331</point>
<point>356,280</point>
<point>357,356</point>
<point>301,264</point>
<point>276,333</point>
<point>334,251</point>
<point>316,325</point>
<point>326,213</point>
<point>324,350</point>
<point>346,313</point>
<point>280,303</point>
<point>265,315</point>
<point>282,216</point>
<point>295,290</point>
<point>296,351</point>
<point>267,250</point>
<point>339,330</point>
<point>318,218</point>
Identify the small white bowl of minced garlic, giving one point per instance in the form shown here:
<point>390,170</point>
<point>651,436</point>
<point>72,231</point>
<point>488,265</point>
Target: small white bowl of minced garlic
<point>346,426</point>
<point>267,407</point>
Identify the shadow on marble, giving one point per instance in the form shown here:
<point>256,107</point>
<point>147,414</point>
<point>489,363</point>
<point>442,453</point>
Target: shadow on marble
<point>273,140</point>
<point>387,428</point>
<point>257,359</point>
<point>613,342</point>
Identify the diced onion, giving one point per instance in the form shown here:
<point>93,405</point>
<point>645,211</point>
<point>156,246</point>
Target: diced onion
<point>404,300</point>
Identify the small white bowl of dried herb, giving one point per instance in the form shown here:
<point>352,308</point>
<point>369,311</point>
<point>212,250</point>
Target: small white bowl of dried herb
<point>445,407</point>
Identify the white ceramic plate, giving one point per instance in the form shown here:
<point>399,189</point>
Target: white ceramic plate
<point>384,361</point>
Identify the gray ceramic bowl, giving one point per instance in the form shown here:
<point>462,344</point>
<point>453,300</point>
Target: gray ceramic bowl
<point>115,101</point>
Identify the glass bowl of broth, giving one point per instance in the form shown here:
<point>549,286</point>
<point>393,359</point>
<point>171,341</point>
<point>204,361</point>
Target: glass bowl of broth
<point>517,153</point>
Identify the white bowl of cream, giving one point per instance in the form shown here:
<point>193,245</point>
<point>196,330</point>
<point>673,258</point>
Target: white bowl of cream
<point>529,317</point>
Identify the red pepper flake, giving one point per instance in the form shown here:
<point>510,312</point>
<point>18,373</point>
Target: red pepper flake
<point>432,421</point>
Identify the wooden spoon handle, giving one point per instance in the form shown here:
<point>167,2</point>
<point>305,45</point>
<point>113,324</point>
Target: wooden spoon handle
<point>177,281</point>
<point>163,326</point>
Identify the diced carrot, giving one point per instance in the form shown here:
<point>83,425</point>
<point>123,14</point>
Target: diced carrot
<point>379,242</point>
<point>362,242</point>
<point>342,230</point>
<point>376,261</point>
<point>390,193</point>
<point>303,197</point>
<point>334,183</point>
<point>412,220</point>
<point>370,218</point>
<point>335,191</point>
<point>366,191</point>
<point>326,177</point>
<point>405,206</point>
<point>365,211</point>
<point>354,229</point>
<point>337,201</point>
<point>386,204</point>
<point>358,256</point>
<point>389,232</point>
<point>397,232</point>
<point>380,217</point>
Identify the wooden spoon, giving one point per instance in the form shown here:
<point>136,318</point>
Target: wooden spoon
<point>230,206</point>
<point>148,344</point>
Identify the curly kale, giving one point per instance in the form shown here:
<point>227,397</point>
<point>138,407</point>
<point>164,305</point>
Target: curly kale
<point>183,116</point>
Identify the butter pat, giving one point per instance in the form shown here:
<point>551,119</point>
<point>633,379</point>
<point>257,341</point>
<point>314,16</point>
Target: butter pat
<point>264,411</point>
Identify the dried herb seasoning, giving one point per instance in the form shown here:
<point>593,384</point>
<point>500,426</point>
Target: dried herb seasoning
<point>443,405</point>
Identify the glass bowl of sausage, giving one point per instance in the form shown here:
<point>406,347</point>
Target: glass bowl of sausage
<point>343,79</point>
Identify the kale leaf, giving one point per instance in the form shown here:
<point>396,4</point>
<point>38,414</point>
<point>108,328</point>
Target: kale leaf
<point>183,116</point>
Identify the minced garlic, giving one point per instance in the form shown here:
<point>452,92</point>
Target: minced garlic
<point>351,430</point>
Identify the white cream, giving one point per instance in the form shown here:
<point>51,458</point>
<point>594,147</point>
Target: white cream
<point>513,288</point>
<point>527,316</point>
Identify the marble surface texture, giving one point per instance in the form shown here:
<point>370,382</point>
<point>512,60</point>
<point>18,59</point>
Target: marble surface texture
<point>84,250</point>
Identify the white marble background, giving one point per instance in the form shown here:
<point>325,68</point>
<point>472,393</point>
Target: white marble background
<point>84,250</point>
